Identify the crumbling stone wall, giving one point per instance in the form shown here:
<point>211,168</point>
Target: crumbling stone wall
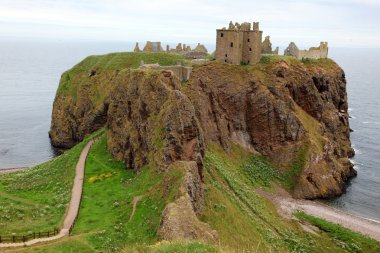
<point>266,47</point>
<point>239,43</point>
<point>313,52</point>
<point>150,47</point>
<point>180,71</point>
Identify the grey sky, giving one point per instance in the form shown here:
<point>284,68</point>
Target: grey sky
<point>344,23</point>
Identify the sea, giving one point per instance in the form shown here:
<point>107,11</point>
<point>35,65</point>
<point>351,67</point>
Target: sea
<point>30,73</point>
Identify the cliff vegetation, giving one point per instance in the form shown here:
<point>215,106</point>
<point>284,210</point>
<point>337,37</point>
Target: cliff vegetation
<point>179,162</point>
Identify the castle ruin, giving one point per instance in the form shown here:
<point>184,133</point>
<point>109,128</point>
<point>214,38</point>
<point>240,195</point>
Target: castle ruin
<point>199,52</point>
<point>180,71</point>
<point>239,43</point>
<point>266,47</point>
<point>313,52</point>
<point>150,47</point>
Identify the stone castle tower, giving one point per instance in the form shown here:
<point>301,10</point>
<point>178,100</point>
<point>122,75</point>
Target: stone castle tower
<point>239,43</point>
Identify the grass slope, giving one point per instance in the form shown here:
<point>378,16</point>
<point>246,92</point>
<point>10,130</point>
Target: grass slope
<point>103,223</point>
<point>36,199</point>
<point>344,238</point>
<point>244,220</point>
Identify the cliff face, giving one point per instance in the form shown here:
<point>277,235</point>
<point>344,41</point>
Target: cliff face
<point>277,109</point>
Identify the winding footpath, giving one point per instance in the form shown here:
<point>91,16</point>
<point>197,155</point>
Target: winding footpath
<point>73,210</point>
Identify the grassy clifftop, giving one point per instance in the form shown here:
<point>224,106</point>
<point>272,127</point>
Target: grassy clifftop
<point>110,63</point>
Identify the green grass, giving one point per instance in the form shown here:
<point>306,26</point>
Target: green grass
<point>186,247</point>
<point>106,205</point>
<point>110,63</point>
<point>109,188</point>
<point>35,199</point>
<point>346,239</point>
<point>269,59</point>
<point>260,172</point>
<point>291,176</point>
<point>244,220</point>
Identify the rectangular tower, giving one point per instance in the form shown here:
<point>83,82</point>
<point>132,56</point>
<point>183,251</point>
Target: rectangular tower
<point>239,44</point>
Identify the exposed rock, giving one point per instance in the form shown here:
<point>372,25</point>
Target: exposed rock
<point>276,110</point>
<point>179,220</point>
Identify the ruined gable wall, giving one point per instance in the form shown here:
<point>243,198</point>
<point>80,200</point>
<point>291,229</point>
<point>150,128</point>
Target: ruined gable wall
<point>315,52</point>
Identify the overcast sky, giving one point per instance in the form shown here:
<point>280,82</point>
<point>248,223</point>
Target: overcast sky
<point>343,23</point>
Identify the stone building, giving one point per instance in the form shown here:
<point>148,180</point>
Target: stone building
<point>266,47</point>
<point>239,43</point>
<point>313,52</point>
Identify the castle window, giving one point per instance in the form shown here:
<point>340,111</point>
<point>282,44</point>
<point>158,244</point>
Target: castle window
<point>248,40</point>
<point>221,35</point>
<point>225,60</point>
<point>232,44</point>
<point>248,61</point>
<point>226,55</point>
<point>250,49</point>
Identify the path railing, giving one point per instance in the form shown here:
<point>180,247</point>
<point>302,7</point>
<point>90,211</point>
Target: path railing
<point>27,237</point>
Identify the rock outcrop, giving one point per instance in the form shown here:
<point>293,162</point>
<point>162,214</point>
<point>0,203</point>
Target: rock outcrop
<point>277,109</point>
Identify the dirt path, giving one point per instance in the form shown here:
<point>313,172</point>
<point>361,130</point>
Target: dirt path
<point>73,209</point>
<point>286,205</point>
<point>134,203</point>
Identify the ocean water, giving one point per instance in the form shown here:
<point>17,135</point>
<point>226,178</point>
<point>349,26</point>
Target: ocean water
<point>362,71</point>
<point>29,77</point>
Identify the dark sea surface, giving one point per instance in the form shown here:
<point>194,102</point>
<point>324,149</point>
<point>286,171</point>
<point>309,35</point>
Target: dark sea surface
<point>30,73</point>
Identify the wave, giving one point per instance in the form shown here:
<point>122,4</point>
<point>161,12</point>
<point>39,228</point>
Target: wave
<point>370,122</point>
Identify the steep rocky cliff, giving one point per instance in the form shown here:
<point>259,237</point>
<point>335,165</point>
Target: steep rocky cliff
<point>293,112</point>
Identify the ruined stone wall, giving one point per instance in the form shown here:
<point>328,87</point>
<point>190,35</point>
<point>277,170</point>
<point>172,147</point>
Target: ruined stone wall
<point>182,72</point>
<point>313,52</point>
<point>266,47</point>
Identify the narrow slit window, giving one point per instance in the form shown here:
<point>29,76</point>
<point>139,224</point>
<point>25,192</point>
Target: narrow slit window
<point>225,55</point>
<point>247,40</point>
<point>250,49</point>
<point>232,44</point>
<point>221,35</point>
